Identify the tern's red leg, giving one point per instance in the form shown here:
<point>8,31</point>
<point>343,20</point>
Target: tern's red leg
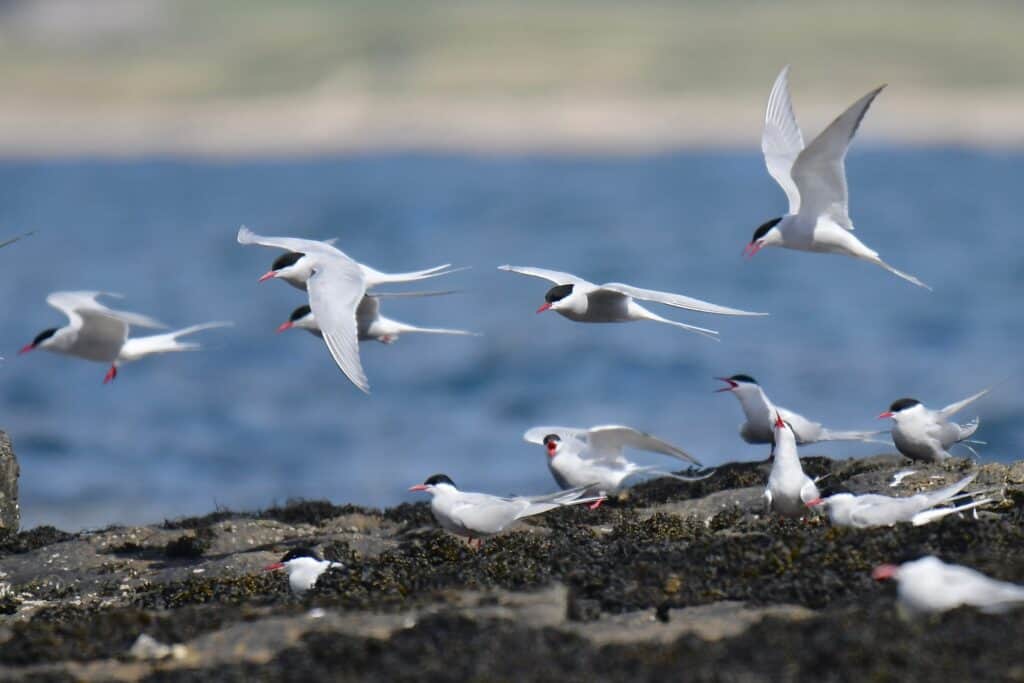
<point>596,504</point>
<point>111,375</point>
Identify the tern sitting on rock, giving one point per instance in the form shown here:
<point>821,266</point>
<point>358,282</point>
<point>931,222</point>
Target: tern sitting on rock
<point>929,585</point>
<point>304,567</point>
<point>789,489</point>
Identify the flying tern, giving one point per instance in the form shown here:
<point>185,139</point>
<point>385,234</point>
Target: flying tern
<point>372,326</point>
<point>847,509</point>
<point>303,566</point>
<point>923,434</point>
<point>595,456</point>
<point>760,413</point>
<point>789,489</point>
<point>98,333</point>
<point>479,515</point>
<point>929,585</point>
<point>614,302</point>
<point>814,180</point>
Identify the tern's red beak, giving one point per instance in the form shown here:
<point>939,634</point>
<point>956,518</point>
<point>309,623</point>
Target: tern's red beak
<point>884,415</point>
<point>751,249</point>
<point>884,572</point>
<point>552,447</point>
<point>815,502</point>
<point>732,385</point>
<point>272,567</point>
<point>778,421</point>
<point>286,325</point>
<point>267,275</point>
<point>26,348</point>
<point>418,487</point>
<point>545,306</point>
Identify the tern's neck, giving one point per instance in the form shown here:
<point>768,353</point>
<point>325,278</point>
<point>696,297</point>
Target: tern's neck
<point>786,455</point>
<point>756,406</point>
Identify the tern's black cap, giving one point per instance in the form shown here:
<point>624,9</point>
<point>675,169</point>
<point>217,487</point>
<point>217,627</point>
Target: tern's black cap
<point>903,404</point>
<point>763,229</point>
<point>743,378</point>
<point>300,312</point>
<point>557,293</point>
<point>285,260</point>
<point>552,437</point>
<point>43,336</point>
<point>303,551</point>
<point>439,479</point>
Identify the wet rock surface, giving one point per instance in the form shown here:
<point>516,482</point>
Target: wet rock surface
<point>669,579</point>
<point>10,513</point>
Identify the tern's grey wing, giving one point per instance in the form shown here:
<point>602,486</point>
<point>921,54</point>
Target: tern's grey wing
<point>485,514</point>
<point>76,303</point>
<point>954,408</point>
<point>368,309</point>
<point>933,498</point>
<point>555,276</point>
<point>100,336</point>
<point>876,510</point>
<point>820,170</point>
<point>612,438</point>
<point>335,290</point>
<point>296,244</point>
<point>670,299</point>
<point>971,587</point>
<point>536,434</point>
<point>781,140</point>
<point>398,295</point>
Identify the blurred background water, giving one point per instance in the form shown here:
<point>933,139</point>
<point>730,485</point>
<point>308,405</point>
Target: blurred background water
<point>256,417</point>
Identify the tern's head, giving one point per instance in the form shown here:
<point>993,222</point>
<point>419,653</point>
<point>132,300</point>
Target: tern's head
<point>553,443</point>
<point>435,483</point>
<point>902,408</point>
<point>556,297</point>
<point>302,317</point>
<point>296,557</point>
<point>291,266</point>
<point>43,340</point>
<point>766,235</point>
<point>835,504</point>
<point>737,384</point>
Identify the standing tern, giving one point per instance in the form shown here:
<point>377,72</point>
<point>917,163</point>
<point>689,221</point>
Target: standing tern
<point>929,585</point>
<point>614,302</point>
<point>594,457</point>
<point>814,180</point>
<point>789,489</point>
<point>760,413</point>
<point>372,326</point>
<point>95,332</point>
<point>304,567</point>
<point>478,515</point>
<point>847,509</point>
<point>923,434</point>
<point>296,265</point>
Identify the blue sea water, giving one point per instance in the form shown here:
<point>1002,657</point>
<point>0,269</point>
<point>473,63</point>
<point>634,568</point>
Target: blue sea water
<point>257,418</point>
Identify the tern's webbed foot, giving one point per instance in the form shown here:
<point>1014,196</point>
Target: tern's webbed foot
<point>111,375</point>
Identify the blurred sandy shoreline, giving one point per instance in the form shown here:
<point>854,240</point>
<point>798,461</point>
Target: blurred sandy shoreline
<point>318,125</point>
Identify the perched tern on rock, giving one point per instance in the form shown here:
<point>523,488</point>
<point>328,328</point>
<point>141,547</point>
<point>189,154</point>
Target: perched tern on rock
<point>789,489</point>
<point>814,180</point>
<point>614,302</point>
<point>868,510</point>
<point>760,413</point>
<point>95,332</point>
<point>479,515</point>
<point>581,457</point>
<point>304,567</point>
<point>923,434</point>
<point>929,585</point>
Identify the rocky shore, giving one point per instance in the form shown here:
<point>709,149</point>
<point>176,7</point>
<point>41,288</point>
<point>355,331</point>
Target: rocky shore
<point>669,580</point>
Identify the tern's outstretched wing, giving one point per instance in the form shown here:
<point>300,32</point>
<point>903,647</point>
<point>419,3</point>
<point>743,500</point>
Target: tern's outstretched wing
<point>78,304</point>
<point>550,275</point>
<point>675,300</point>
<point>954,408</point>
<point>296,244</point>
<point>820,170</point>
<point>335,291</point>
<point>781,140</point>
<point>611,438</point>
<point>536,434</point>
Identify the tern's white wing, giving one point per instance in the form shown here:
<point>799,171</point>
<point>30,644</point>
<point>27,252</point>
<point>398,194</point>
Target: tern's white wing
<point>296,244</point>
<point>781,140</point>
<point>612,438</point>
<point>335,290</point>
<point>551,275</point>
<point>954,408</point>
<point>675,300</point>
<point>536,434</point>
<point>820,172</point>
<point>12,240</point>
<point>84,303</point>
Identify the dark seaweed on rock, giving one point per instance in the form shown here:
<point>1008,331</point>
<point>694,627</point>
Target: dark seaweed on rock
<point>27,541</point>
<point>314,512</point>
<point>262,588</point>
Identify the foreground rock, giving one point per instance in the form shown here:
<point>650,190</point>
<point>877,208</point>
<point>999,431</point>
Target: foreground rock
<point>673,579</point>
<point>10,513</point>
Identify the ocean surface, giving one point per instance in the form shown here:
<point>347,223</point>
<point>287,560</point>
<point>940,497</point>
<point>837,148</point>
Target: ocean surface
<point>257,418</point>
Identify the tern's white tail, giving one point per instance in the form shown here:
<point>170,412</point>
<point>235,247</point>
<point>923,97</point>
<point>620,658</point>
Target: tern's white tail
<point>653,470</point>
<point>898,273</point>
<point>376,277</point>
<point>139,347</point>
<point>927,516</point>
<point>838,435</point>
<point>711,334</point>
<point>410,329</point>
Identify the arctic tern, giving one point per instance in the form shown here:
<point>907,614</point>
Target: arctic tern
<point>760,413</point>
<point>929,585</point>
<point>789,489</point>
<point>814,180</point>
<point>923,434</point>
<point>478,515</point>
<point>304,567</point>
<point>95,332</point>
<point>614,302</point>
<point>594,457</point>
